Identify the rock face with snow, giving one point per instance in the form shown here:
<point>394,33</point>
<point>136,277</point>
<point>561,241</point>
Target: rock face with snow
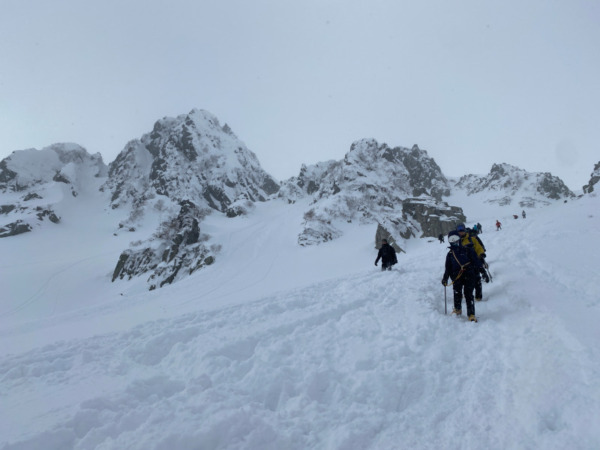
<point>516,186</point>
<point>190,157</point>
<point>177,250</point>
<point>399,188</point>
<point>187,167</point>
<point>594,178</point>
<point>34,181</point>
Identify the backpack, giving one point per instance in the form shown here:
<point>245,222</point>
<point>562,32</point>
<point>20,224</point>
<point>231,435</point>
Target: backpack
<point>473,234</point>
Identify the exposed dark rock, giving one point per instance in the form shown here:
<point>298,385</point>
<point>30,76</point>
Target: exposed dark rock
<point>5,209</point>
<point>433,218</point>
<point>60,178</point>
<point>51,215</point>
<point>383,233</point>
<point>175,250</point>
<point>594,179</point>
<point>15,228</point>
<point>32,196</point>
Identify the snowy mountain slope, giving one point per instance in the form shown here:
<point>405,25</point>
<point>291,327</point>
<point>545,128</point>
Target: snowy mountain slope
<point>315,347</point>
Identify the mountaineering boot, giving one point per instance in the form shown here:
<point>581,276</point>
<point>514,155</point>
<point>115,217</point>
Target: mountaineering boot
<point>477,299</point>
<point>458,312</point>
<point>472,318</point>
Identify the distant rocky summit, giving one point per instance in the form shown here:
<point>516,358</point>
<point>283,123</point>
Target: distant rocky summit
<point>594,178</point>
<point>33,181</point>
<point>399,188</point>
<point>510,185</point>
<point>190,157</point>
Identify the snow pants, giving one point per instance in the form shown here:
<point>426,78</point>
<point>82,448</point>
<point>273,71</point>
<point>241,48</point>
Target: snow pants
<point>386,266</point>
<point>466,285</point>
<point>478,288</point>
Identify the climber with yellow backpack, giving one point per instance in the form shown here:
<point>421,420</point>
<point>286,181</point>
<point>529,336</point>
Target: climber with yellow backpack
<point>468,238</point>
<point>463,268</point>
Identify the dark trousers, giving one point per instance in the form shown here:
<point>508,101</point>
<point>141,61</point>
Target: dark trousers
<point>478,289</point>
<point>386,266</point>
<point>465,285</point>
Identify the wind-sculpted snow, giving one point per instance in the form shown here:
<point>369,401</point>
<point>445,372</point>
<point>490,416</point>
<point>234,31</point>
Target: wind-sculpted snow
<point>363,360</point>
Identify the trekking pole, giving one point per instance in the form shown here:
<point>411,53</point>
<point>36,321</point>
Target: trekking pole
<point>487,269</point>
<point>445,302</point>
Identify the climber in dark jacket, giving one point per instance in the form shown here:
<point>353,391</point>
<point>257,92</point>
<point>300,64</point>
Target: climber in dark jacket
<point>463,267</point>
<point>387,254</point>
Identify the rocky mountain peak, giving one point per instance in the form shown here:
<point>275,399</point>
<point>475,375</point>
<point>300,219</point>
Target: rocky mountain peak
<point>374,183</point>
<point>190,157</point>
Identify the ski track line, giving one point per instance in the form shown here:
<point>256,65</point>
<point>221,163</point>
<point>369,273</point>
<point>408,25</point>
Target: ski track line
<point>43,288</point>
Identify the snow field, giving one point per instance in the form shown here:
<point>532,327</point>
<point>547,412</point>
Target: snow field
<point>347,357</point>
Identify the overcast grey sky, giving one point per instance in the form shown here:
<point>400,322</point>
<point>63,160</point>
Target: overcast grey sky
<point>473,82</point>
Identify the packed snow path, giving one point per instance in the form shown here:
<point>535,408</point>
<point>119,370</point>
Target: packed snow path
<point>368,360</point>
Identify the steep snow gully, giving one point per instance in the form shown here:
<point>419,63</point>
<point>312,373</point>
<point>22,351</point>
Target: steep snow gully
<point>362,360</point>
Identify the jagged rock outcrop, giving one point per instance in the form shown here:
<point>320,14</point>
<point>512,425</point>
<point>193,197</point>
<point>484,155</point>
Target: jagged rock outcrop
<point>515,186</point>
<point>383,233</point>
<point>369,186</point>
<point>433,218</point>
<point>15,228</point>
<point>594,179</point>
<point>176,250</point>
<point>190,157</point>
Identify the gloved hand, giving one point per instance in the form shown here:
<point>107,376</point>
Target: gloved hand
<point>485,277</point>
<point>445,281</point>
<point>375,262</point>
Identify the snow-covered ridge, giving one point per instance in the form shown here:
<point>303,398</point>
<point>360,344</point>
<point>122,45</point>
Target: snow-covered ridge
<point>34,182</point>
<point>506,184</point>
<point>67,163</point>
